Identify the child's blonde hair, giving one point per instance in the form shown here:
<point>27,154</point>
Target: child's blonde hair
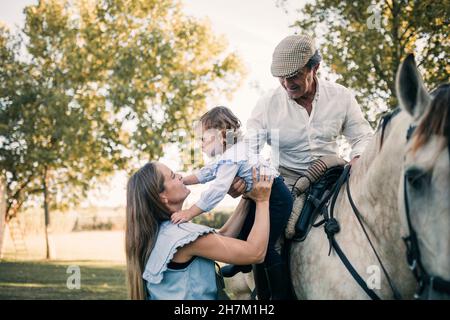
<point>221,118</point>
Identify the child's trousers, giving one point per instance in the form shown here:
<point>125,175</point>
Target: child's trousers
<point>280,208</point>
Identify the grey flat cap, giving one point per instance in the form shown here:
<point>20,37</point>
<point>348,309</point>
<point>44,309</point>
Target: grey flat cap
<point>292,54</point>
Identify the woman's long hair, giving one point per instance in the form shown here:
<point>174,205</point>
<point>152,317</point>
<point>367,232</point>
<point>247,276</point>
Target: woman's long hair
<point>145,212</point>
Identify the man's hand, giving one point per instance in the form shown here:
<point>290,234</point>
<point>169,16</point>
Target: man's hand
<point>238,187</point>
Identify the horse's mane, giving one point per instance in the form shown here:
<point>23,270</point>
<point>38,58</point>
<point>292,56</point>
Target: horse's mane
<point>436,120</point>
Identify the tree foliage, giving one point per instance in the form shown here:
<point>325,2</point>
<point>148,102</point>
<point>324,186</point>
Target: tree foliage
<point>363,42</point>
<point>88,86</point>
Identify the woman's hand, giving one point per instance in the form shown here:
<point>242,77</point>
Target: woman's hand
<point>262,185</point>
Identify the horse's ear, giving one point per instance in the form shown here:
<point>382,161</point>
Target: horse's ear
<point>411,92</point>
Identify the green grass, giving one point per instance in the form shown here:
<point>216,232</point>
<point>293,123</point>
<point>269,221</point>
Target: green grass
<point>37,280</point>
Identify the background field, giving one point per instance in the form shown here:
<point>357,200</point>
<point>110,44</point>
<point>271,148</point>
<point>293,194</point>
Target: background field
<point>35,280</point>
<point>98,250</point>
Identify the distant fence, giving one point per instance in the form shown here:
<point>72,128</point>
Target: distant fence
<point>80,234</point>
<point>32,221</point>
<point>73,235</point>
<point>96,219</point>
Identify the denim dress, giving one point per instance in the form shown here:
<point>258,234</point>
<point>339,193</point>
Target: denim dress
<point>195,282</point>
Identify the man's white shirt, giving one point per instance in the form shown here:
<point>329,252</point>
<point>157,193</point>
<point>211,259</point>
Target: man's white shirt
<point>297,138</point>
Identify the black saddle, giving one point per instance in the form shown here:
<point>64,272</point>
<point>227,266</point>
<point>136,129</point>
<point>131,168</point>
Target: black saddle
<point>314,204</point>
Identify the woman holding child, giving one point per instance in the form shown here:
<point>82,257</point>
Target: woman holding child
<point>175,258</point>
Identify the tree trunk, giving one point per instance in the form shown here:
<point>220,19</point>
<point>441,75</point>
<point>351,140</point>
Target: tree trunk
<point>2,213</point>
<point>46,215</point>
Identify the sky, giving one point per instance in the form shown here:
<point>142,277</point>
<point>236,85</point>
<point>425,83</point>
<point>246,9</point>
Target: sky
<point>252,28</point>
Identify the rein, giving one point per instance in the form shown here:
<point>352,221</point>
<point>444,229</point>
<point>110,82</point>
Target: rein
<point>331,227</point>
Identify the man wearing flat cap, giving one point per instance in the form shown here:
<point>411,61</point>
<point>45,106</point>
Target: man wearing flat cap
<point>304,116</point>
<point>301,120</point>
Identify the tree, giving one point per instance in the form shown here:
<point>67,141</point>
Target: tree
<point>363,42</point>
<point>2,211</point>
<point>102,83</point>
<point>50,147</point>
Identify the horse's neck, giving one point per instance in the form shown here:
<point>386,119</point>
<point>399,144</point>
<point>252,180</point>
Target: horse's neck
<point>374,182</point>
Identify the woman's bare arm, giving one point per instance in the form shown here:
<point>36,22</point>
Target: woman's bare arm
<point>234,224</point>
<point>229,250</point>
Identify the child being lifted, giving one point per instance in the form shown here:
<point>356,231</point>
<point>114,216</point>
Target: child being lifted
<point>222,139</point>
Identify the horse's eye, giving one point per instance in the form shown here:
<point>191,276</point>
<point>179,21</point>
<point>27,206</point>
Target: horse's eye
<point>417,178</point>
